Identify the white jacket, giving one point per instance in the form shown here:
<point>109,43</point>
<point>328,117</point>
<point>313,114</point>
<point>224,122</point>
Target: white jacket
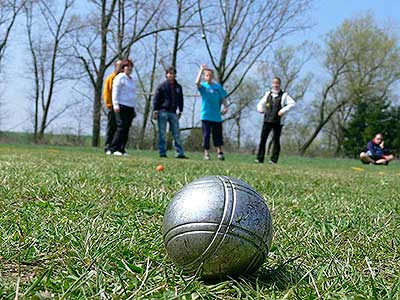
<point>123,91</point>
<point>287,104</point>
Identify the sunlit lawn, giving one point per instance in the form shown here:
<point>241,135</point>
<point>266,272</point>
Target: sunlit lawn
<point>77,224</point>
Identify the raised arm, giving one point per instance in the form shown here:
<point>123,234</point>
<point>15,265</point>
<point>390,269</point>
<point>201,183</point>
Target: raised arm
<point>198,78</point>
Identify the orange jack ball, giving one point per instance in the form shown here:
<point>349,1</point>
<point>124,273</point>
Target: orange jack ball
<point>160,168</point>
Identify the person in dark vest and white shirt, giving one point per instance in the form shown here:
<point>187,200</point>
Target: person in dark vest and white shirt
<point>167,100</point>
<point>274,105</point>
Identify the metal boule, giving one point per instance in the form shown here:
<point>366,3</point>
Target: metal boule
<point>219,226</point>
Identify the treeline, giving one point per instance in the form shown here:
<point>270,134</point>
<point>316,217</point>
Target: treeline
<point>73,44</point>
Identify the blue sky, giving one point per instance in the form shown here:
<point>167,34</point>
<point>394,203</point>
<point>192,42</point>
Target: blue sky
<point>326,15</point>
<point>330,13</point>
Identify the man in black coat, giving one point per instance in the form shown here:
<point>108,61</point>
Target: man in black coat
<point>167,100</point>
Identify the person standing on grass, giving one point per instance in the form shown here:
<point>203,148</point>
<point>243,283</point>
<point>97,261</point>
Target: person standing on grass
<point>124,101</point>
<point>213,96</point>
<point>107,96</point>
<point>167,100</point>
<point>274,105</point>
<point>376,153</point>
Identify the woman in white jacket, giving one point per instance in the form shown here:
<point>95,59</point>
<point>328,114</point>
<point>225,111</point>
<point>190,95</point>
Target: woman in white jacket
<point>124,102</point>
<point>274,105</point>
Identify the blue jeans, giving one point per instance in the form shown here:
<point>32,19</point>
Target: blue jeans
<point>172,119</point>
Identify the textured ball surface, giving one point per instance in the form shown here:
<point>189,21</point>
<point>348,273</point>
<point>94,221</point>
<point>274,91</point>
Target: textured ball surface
<point>219,226</point>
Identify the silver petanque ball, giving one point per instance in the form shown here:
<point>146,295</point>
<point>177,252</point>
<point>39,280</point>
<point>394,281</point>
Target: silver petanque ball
<point>219,226</point>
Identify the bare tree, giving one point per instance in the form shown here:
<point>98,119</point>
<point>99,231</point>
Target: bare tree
<point>35,65</point>
<point>182,23</point>
<point>46,51</point>
<point>245,30</point>
<point>241,33</point>
<point>325,109</point>
<point>361,59</point>
<point>122,24</point>
<point>9,10</point>
<point>147,88</point>
<point>245,96</point>
<point>185,27</point>
<point>91,49</point>
<point>288,63</point>
<point>338,122</point>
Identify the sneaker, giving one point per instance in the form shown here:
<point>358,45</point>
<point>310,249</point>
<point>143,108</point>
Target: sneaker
<point>163,155</point>
<point>126,154</point>
<point>258,162</point>
<point>118,153</point>
<point>108,152</point>
<point>182,156</point>
<point>221,156</point>
<point>207,157</point>
<point>272,162</point>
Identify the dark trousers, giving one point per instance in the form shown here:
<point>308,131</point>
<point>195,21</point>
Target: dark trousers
<point>110,130</point>
<point>214,128</point>
<point>277,130</point>
<point>123,120</point>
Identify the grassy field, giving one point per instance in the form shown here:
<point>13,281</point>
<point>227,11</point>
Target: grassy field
<point>75,224</point>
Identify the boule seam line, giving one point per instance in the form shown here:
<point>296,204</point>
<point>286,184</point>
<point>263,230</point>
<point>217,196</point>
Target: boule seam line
<point>233,209</point>
<point>167,237</point>
<point>206,253</point>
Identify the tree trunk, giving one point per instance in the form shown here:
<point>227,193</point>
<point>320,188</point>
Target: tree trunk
<point>177,32</point>
<point>338,149</point>
<point>96,128</point>
<point>121,25</point>
<point>28,15</point>
<point>148,98</point>
<point>154,142</point>
<point>339,141</point>
<point>317,130</point>
<point>146,114</point>
<point>238,133</point>
<point>52,80</point>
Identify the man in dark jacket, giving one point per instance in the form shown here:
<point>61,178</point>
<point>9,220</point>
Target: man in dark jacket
<point>376,153</point>
<point>167,100</point>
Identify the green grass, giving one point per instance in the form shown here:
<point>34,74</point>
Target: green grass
<point>75,224</point>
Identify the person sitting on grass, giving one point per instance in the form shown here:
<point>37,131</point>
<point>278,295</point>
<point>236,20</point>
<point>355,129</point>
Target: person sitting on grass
<point>376,153</point>
<point>213,96</point>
